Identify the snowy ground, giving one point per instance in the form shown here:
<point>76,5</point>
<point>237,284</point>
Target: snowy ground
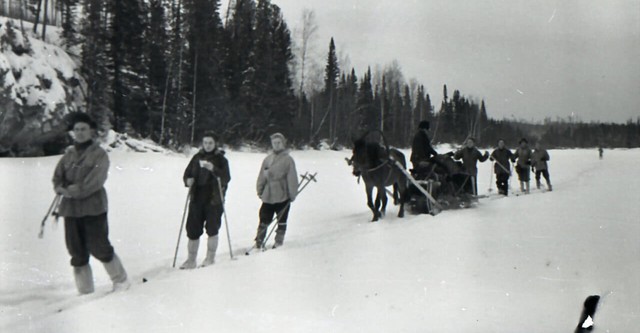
<point>519,264</point>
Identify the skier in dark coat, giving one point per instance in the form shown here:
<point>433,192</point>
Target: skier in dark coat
<point>79,178</point>
<point>277,187</point>
<point>206,169</point>
<point>470,155</point>
<point>523,157</point>
<point>539,165</point>
<point>502,168</point>
<point>421,149</point>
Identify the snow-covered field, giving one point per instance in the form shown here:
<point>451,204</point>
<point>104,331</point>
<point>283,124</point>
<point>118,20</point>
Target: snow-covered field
<point>518,264</point>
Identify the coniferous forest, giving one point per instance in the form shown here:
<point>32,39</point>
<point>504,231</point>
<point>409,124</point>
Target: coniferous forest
<point>168,70</point>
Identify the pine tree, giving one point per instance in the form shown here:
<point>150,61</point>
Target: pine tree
<point>366,118</point>
<point>157,71</point>
<point>204,84</point>
<point>96,63</point>
<point>128,25</point>
<point>329,92</point>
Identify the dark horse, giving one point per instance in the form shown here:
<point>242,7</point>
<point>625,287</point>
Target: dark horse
<point>377,167</point>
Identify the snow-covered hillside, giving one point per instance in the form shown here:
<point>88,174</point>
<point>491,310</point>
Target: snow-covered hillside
<point>39,84</point>
<point>517,264</point>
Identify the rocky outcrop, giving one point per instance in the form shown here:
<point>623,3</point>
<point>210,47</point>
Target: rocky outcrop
<point>39,85</point>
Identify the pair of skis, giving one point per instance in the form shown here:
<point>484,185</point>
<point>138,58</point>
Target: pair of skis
<point>307,178</point>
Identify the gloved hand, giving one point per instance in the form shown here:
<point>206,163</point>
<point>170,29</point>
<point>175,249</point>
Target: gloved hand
<point>207,165</point>
<point>189,182</point>
<point>61,190</point>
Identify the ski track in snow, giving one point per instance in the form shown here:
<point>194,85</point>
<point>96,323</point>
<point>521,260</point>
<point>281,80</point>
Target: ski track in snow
<point>505,265</point>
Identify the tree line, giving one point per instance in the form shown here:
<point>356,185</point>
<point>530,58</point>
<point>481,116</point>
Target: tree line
<point>170,69</point>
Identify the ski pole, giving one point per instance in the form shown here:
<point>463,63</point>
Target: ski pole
<point>54,205</point>
<point>226,223</point>
<point>307,180</point>
<point>184,214</point>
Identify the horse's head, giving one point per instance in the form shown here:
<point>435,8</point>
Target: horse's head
<point>359,156</point>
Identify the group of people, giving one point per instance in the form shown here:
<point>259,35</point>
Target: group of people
<point>81,173</point>
<point>79,179</point>
<point>525,159</point>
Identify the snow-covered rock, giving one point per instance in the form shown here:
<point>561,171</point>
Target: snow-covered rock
<point>39,84</point>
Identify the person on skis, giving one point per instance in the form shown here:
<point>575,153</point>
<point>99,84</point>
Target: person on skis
<point>539,165</point>
<point>501,157</point>
<point>277,187</point>
<point>421,149</point>
<point>523,158</point>
<point>470,155</point>
<point>207,175</point>
<point>79,177</point>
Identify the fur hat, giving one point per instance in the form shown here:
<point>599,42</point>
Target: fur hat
<point>79,117</point>
<point>424,125</point>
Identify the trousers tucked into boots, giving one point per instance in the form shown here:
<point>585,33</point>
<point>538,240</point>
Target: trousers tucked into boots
<point>192,250</point>
<point>266,217</point>
<point>117,273</point>
<point>212,246</point>
<point>84,279</point>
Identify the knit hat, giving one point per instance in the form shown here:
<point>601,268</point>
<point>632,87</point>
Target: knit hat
<point>424,125</point>
<point>79,117</point>
<point>278,135</point>
<point>210,134</point>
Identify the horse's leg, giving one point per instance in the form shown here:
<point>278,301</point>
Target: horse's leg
<point>376,214</point>
<point>382,194</point>
<point>402,188</point>
<point>395,194</point>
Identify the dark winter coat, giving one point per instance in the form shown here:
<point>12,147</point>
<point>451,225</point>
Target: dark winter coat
<point>278,179</point>
<point>87,170</point>
<point>470,158</point>
<point>523,156</point>
<point>205,187</point>
<point>502,156</point>
<point>421,149</point>
<point>539,159</point>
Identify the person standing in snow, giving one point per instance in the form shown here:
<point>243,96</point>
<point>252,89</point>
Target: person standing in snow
<point>502,167</point>
<point>539,164</point>
<point>421,149</point>
<point>79,178</point>
<point>206,174</point>
<point>470,155</point>
<point>277,187</point>
<point>600,152</point>
<point>523,157</point>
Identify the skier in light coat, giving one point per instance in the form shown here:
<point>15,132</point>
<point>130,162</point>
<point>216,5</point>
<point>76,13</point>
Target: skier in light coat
<point>277,187</point>
<point>523,157</point>
<point>79,178</point>
<point>539,164</point>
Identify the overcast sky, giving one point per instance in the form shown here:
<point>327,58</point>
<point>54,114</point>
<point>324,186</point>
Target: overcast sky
<point>527,58</point>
